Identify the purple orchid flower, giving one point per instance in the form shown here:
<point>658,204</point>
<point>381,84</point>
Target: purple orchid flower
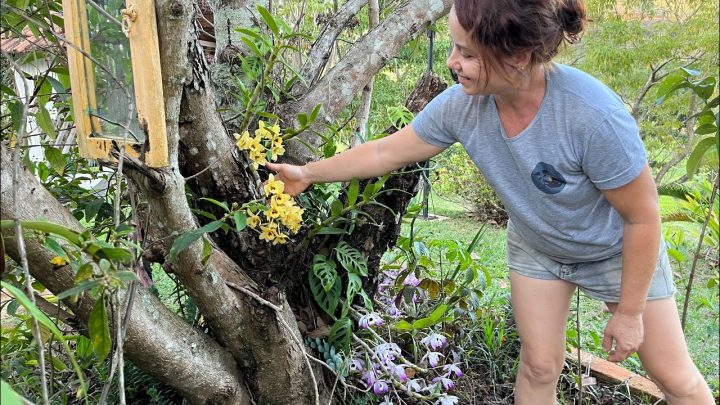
<point>434,340</point>
<point>356,366</point>
<point>380,387</point>
<point>433,358</point>
<point>447,383</point>
<point>452,369</point>
<point>399,372</point>
<point>387,352</point>
<point>411,280</point>
<point>371,319</point>
<point>369,378</point>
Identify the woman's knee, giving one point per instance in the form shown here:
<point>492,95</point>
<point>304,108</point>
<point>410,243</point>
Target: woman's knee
<point>680,384</point>
<point>541,368</point>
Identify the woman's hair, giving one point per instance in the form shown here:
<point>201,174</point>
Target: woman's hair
<point>505,28</point>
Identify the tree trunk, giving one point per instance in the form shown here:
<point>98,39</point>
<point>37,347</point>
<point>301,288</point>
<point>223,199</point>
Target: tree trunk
<point>184,358</point>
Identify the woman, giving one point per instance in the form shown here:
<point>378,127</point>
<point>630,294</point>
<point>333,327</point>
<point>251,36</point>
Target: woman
<point>566,159</point>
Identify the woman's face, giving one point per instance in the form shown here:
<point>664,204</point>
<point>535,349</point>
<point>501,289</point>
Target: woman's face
<point>465,60</point>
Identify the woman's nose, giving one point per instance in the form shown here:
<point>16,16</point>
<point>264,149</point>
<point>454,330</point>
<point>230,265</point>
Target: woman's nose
<point>451,62</point>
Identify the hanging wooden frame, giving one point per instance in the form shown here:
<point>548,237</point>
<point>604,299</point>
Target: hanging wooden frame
<point>139,25</point>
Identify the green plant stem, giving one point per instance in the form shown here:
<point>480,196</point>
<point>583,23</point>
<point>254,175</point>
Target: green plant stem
<point>696,256</point>
<point>257,91</point>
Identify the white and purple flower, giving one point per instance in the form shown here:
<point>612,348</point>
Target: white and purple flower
<point>411,280</point>
<point>380,387</point>
<point>371,319</point>
<point>414,385</point>
<point>450,369</point>
<point>369,378</point>
<point>356,366</point>
<point>433,358</point>
<point>399,371</point>
<point>447,383</point>
<point>387,352</point>
<point>434,340</point>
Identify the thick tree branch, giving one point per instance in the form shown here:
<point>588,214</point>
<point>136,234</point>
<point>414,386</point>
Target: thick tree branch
<point>336,89</point>
<point>322,47</point>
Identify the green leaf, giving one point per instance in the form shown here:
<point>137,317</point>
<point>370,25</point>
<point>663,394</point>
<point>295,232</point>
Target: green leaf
<point>30,307</point>
<point>351,259</point>
<point>126,276</point>
<point>314,113</point>
<point>252,47</point>
<point>207,250</point>
<point>697,154</point>
<point>9,396</point>
<point>269,19</point>
<point>99,330</point>
<point>403,325</point>
<point>16,115</point>
<point>353,190</point>
<point>324,270</point>
<point>85,285</point>
<point>329,230</point>
<point>435,317</point>
<point>186,239</point>
<point>118,254</point>
<point>302,119</point>
<point>336,208</point>
<point>327,300</point>
<point>354,287</point>
<point>56,159</point>
<point>92,208</point>
<point>52,245</point>
<point>42,117</point>
<point>216,202</point>
<point>341,334</point>
<point>240,221</point>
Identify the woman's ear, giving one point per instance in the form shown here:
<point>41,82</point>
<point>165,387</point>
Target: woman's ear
<point>521,61</point>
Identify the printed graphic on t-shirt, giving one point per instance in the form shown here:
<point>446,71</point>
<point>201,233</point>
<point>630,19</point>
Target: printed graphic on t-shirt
<point>547,179</point>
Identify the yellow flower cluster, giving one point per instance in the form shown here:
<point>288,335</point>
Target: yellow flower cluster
<point>281,211</point>
<point>267,144</point>
<point>281,214</point>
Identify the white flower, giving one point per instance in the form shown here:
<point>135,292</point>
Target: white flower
<point>446,399</point>
<point>371,319</point>
<point>434,340</point>
<point>433,358</point>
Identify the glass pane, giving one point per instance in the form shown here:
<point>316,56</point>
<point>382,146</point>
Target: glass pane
<point>114,93</point>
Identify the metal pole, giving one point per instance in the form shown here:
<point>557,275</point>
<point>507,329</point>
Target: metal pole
<point>426,167</point>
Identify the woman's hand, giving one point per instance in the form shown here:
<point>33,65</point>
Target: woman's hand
<point>292,176</point>
<point>626,332</point>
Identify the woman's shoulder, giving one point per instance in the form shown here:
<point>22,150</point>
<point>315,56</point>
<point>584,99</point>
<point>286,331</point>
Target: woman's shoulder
<point>583,90</point>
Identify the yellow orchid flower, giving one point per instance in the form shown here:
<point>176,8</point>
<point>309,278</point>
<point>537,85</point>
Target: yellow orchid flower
<point>243,142</point>
<point>280,239</point>
<point>274,186</point>
<point>267,234</point>
<point>253,220</point>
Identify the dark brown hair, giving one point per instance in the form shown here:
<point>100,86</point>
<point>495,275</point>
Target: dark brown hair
<point>505,28</point>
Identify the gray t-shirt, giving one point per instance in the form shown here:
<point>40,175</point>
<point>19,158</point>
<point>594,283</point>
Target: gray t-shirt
<point>549,176</point>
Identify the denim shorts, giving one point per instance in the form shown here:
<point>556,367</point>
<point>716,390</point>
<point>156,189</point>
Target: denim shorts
<point>598,279</point>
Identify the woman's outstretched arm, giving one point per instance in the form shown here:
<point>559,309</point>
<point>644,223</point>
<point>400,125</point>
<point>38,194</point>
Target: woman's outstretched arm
<point>371,159</point>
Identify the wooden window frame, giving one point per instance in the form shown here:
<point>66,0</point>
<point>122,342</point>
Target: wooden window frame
<point>139,18</point>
